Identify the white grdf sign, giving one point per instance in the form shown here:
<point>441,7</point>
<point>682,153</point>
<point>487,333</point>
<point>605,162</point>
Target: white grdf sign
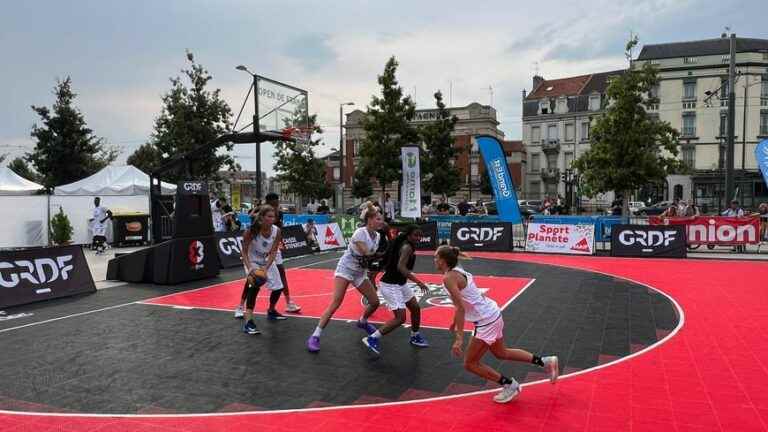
<point>410,204</point>
<point>564,239</point>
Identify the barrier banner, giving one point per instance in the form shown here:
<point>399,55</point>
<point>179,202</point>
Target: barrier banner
<point>295,241</point>
<point>348,224</point>
<point>716,230</point>
<point>486,236</point>
<point>428,238</point>
<point>300,219</point>
<point>560,238</point>
<point>410,199</point>
<point>501,182</point>
<point>648,241</point>
<point>229,246</point>
<point>32,275</point>
<point>329,236</point>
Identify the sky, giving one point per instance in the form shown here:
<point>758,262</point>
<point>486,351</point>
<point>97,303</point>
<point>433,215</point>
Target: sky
<point>120,55</point>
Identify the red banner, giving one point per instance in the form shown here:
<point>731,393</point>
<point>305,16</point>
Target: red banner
<point>715,230</point>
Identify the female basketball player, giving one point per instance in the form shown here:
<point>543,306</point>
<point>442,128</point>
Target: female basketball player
<point>260,245</point>
<point>396,292</point>
<point>352,269</point>
<point>472,305</point>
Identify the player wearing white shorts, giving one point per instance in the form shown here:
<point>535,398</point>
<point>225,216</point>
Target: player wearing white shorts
<point>99,226</point>
<point>472,305</point>
<point>398,296</point>
<point>260,245</point>
<point>353,269</point>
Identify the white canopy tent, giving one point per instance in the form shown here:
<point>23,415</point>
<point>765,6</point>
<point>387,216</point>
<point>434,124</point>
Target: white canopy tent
<point>14,184</point>
<point>111,181</point>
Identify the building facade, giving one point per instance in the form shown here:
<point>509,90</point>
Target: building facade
<point>693,98</point>
<point>557,117</point>
<point>473,119</point>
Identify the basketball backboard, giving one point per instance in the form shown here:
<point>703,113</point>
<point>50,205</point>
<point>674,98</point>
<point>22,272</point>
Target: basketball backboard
<point>281,106</point>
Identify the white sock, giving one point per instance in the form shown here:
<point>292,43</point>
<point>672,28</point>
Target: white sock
<point>317,332</point>
<point>376,334</point>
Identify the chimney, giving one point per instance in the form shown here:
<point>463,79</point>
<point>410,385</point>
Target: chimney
<point>524,94</point>
<point>537,80</point>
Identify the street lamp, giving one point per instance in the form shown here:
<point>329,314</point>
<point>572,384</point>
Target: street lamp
<point>341,150</point>
<point>255,126</point>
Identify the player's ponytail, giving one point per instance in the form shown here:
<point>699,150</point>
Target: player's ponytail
<point>451,255</point>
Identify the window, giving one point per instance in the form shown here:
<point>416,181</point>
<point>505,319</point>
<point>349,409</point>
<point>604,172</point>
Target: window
<point>654,92</point>
<point>535,162</point>
<point>552,132</point>
<point>535,134</point>
<point>568,159</point>
<point>585,131</point>
<point>690,60</point>
<point>765,56</point>
<point>569,132</point>
<point>562,105</point>
<point>473,169</point>
<point>594,103</point>
<point>689,125</point>
<point>336,173</point>
<point>764,88</point>
<point>535,189</point>
<point>689,90</point>
<point>355,147</point>
<point>763,123</point>
<point>723,124</point>
<point>724,91</point>
<point>689,156</point>
<point>552,161</point>
<point>726,59</point>
<point>544,106</point>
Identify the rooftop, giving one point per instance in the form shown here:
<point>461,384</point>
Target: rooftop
<point>720,46</point>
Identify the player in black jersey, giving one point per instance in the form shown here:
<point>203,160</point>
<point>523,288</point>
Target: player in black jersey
<point>397,293</point>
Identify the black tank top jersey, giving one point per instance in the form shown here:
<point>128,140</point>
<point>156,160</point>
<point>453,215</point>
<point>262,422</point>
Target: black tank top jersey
<point>391,274</point>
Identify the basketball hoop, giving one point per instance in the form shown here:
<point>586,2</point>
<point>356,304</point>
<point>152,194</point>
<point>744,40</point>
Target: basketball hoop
<point>297,134</point>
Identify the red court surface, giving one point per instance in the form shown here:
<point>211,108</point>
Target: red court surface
<point>711,375</point>
<point>313,288</point>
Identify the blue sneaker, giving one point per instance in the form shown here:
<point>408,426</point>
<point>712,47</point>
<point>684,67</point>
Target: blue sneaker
<point>250,328</point>
<point>373,344</point>
<point>368,327</point>
<point>275,316</point>
<point>419,341</point>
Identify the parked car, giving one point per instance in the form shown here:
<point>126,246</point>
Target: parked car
<point>287,208</point>
<point>655,209</point>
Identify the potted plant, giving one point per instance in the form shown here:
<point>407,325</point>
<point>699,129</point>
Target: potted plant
<point>61,229</point>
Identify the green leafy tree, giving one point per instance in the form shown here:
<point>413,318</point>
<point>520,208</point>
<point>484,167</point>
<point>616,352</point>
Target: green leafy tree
<point>147,158</point>
<point>629,148</point>
<point>20,167</point>
<point>296,163</point>
<point>66,149</point>
<point>3,157</point>
<point>485,184</point>
<point>441,177</point>
<point>61,228</point>
<point>192,116</point>
<point>361,186</point>
<point>387,128</point>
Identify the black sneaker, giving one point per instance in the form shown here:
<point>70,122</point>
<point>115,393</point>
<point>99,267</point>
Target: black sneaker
<point>275,316</point>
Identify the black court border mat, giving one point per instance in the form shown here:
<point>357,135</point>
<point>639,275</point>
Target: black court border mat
<point>137,358</point>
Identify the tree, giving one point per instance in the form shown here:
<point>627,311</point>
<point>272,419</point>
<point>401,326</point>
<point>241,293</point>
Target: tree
<point>193,116</point>
<point>485,184</point>
<point>147,158</point>
<point>387,128</point>
<point>441,176</point>
<point>3,157</point>
<point>66,149</point>
<point>629,148</point>
<point>361,185</point>
<point>296,163</point>
<point>20,167</point>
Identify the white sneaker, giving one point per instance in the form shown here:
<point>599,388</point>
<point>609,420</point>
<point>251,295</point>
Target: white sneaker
<point>551,368</point>
<point>239,312</point>
<point>292,307</point>
<point>508,392</point>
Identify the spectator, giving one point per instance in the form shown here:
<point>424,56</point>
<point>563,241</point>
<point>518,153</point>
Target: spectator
<point>426,209</point>
<point>617,206</point>
<point>480,208</point>
<point>231,223</point>
<point>311,231</point>
<point>443,208</point>
<point>312,206</point>
<point>762,210</point>
<point>692,210</point>
<point>464,207</point>
<point>389,209</point>
<point>323,208</point>
<point>671,212</point>
<point>734,210</point>
<point>217,215</point>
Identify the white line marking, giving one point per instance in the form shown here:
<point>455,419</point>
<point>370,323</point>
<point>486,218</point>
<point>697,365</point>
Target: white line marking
<point>437,398</point>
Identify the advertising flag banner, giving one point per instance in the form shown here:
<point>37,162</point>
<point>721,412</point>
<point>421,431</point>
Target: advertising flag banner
<point>501,182</point>
<point>410,199</point>
<point>761,155</point>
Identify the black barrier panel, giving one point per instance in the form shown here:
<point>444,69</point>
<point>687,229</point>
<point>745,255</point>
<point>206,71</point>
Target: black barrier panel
<point>295,241</point>
<point>487,236</point>
<point>428,238</point>
<point>32,275</point>
<point>666,241</point>
<point>229,246</point>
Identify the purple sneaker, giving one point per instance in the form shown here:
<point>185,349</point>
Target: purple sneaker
<point>313,344</point>
<point>368,327</point>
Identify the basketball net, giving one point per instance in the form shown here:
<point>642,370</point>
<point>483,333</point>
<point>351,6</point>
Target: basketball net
<point>298,134</point>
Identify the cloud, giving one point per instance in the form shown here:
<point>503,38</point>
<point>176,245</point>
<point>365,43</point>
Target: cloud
<point>312,50</point>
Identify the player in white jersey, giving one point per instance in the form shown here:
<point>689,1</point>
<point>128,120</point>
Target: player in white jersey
<point>259,251</point>
<point>353,269</point>
<point>472,305</point>
<point>99,226</point>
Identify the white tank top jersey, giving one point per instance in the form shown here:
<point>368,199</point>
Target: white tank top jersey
<point>477,307</point>
<point>261,246</point>
<point>351,255</point>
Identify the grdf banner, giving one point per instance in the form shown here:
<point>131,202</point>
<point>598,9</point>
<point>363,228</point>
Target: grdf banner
<point>501,181</point>
<point>410,204</point>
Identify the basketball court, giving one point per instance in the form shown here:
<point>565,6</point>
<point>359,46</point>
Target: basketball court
<point>663,344</point>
